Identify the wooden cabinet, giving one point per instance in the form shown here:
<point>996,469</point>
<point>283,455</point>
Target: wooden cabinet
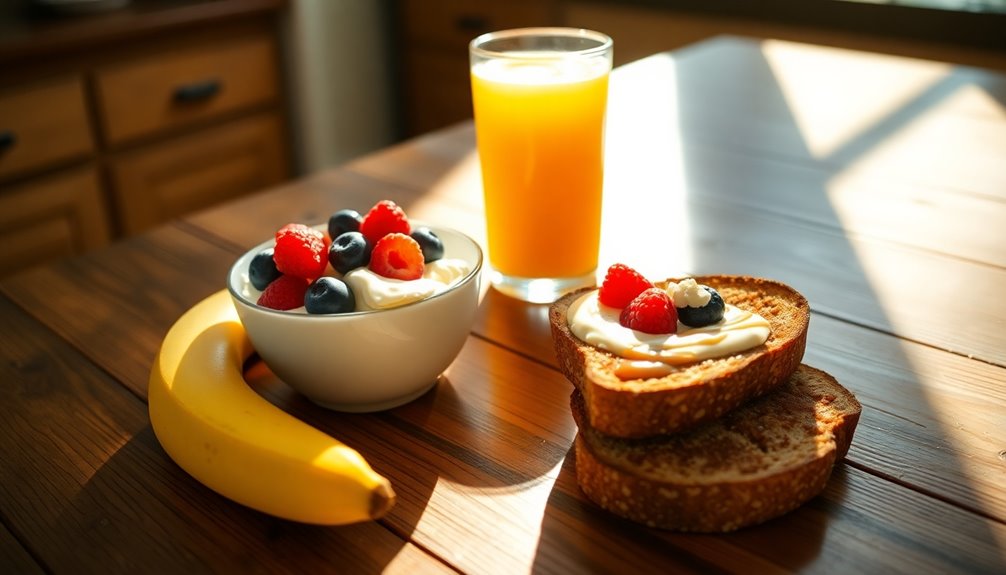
<point>434,41</point>
<point>170,90</point>
<point>43,124</point>
<point>52,217</point>
<point>434,34</point>
<point>184,174</point>
<point>112,124</point>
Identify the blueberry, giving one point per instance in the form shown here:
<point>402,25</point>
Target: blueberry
<point>708,314</point>
<point>349,251</point>
<point>329,295</point>
<point>262,269</point>
<point>433,248</point>
<point>343,221</point>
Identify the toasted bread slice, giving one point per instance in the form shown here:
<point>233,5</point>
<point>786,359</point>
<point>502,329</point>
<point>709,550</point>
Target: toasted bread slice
<point>694,393</point>
<point>759,461</point>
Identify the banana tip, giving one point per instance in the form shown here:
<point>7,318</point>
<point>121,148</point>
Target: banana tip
<point>382,499</point>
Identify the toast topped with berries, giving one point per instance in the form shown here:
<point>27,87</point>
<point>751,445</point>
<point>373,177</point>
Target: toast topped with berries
<point>759,461</point>
<point>630,393</point>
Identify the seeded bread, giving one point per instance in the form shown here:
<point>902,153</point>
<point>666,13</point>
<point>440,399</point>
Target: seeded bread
<point>695,393</point>
<point>759,461</point>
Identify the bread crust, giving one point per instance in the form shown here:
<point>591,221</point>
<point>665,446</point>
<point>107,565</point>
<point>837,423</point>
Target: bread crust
<point>692,394</point>
<point>761,461</point>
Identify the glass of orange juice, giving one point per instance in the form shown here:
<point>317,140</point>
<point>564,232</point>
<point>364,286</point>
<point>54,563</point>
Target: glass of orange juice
<point>540,96</point>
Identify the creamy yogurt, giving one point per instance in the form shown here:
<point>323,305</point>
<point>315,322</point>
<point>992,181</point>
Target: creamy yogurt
<point>373,291</point>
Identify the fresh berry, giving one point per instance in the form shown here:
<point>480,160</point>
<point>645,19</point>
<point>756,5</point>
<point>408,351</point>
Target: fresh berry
<point>708,314</point>
<point>286,292</point>
<point>651,312</point>
<point>343,221</point>
<point>262,269</point>
<point>397,256</point>
<point>349,251</point>
<point>621,285</point>
<point>433,248</point>
<point>329,295</point>
<point>386,217</point>
<point>301,251</point>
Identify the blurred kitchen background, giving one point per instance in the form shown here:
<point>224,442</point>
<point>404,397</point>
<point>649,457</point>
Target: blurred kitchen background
<point>119,115</point>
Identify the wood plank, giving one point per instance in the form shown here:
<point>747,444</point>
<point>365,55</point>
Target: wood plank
<point>13,557</point>
<point>928,419</point>
<point>849,201</point>
<point>931,420</point>
<point>484,459</point>
<point>470,458</point>
<point>118,321</point>
<point>251,220</point>
<point>868,281</point>
<point>701,222</point>
<point>859,524</point>
<point>918,121</point>
<point>105,495</point>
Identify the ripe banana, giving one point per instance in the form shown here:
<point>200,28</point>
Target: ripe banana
<point>243,447</point>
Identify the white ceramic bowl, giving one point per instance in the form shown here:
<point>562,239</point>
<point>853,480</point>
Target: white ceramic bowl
<point>368,360</point>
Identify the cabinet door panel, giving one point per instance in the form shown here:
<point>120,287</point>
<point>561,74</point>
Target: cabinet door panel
<point>177,89</point>
<point>42,125</point>
<point>198,170</point>
<point>50,218</point>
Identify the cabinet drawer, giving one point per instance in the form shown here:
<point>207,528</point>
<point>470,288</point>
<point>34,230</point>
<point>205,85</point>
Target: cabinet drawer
<point>198,170</point>
<point>177,89</point>
<point>42,125</point>
<point>452,24</point>
<point>50,218</point>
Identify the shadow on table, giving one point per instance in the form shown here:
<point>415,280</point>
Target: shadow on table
<point>756,198</point>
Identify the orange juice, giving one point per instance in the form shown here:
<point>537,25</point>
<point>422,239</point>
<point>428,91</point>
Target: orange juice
<point>540,127</point>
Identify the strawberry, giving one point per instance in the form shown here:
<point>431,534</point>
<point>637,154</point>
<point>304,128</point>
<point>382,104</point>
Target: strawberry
<point>397,256</point>
<point>301,251</point>
<point>621,285</point>
<point>386,217</point>
<point>285,292</point>
<point>650,312</point>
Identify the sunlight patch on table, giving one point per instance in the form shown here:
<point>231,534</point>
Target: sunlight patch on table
<point>646,223</point>
<point>510,516</point>
<point>835,95</point>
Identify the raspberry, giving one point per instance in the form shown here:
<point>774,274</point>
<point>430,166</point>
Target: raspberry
<point>651,312</point>
<point>386,217</point>
<point>301,251</point>
<point>285,292</point>
<point>397,256</point>
<point>621,285</point>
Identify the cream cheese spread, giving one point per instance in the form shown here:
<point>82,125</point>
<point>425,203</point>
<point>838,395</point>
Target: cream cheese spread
<point>597,325</point>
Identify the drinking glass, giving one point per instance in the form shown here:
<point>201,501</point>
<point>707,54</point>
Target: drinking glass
<point>540,96</point>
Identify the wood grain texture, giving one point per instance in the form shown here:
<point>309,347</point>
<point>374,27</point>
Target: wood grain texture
<point>482,463</point>
<point>244,71</point>
<point>107,497</point>
<point>170,179</point>
<point>61,133</point>
<point>103,304</point>
<point>13,557</point>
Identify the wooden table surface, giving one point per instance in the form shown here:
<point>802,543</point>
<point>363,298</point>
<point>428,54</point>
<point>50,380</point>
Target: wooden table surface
<point>874,185</point>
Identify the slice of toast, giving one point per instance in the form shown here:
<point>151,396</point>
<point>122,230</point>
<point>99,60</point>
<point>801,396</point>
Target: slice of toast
<point>759,461</point>
<point>694,393</point>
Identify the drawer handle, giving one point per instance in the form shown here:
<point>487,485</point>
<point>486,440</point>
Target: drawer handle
<point>471,23</point>
<point>197,91</point>
<point>7,140</point>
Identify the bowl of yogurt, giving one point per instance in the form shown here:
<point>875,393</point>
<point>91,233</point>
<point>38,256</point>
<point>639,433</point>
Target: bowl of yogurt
<point>391,349</point>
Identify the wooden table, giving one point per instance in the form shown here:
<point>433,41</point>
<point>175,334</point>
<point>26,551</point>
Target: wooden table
<point>875,185</point>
